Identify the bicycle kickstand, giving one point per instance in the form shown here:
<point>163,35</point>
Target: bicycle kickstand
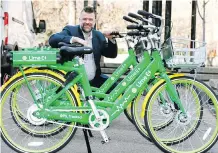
<point>90,133</point>
<point>85,131</point>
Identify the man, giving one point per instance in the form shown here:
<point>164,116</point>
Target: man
<point>86,35</point>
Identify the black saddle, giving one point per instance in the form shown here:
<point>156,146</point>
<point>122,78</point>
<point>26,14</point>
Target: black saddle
<point>60,44</point>
<point>74,51</point>
<point>69,51</point>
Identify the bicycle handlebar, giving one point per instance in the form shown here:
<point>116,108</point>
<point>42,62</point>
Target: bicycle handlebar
<point>138,27</point>
<point>135,16</point>
<point>145,30</point>
<point>131,33</point>
<point>136,33</point>
<point>139,18</point>
<point>116,34</point>
<point>129,19</point>
<point>144,13</point>
<point>149,15</point>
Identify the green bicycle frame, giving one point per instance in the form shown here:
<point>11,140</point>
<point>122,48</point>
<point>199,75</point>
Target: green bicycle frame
<point>123,68</point>
<point>101,92</point>
<point>131,85</point>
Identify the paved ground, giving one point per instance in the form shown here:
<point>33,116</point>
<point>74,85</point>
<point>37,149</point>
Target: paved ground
<point>124,139</point>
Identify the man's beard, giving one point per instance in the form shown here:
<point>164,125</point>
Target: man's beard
<point>85,30</point>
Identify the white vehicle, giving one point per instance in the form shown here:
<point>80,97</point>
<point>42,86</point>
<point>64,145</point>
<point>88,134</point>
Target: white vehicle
<point>18,29</point>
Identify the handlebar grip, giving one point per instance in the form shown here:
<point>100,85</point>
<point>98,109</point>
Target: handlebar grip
<point>137,33</point>
<point>144,13</point>
<point>134,33</point>
<point>135,16</point>
<point>138,27</point>
<point>116,34</point>
<point>134,27</point>
<point>129,19</point>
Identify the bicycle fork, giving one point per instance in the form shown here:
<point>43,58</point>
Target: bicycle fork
<point>173,94</point>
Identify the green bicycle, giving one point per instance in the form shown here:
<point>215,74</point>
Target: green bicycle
<point>179,136</point>
<point>95,114</point>
<point>130,61</point>
<point>165,107</point>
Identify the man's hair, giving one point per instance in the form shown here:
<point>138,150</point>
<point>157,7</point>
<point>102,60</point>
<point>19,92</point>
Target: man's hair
<point>88,9</point>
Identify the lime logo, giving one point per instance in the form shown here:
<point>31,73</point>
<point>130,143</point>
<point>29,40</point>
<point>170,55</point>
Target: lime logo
<point>37,58</point>
<point>24,58</point>
<point>134,90</point>
<point>124,83</point>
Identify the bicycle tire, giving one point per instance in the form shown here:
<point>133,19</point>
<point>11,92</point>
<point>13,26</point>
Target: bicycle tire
<point>199,138</point>
<point>167,114</point>
<point>14,101</point>
<point>9,136</point>
<point>60,75</point>
<point>127,113</point>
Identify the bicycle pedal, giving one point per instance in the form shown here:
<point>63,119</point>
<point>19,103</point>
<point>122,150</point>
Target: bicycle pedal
<point>103,142</point>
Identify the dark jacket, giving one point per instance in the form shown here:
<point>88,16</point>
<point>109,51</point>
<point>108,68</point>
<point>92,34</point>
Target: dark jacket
<point>99,43</point>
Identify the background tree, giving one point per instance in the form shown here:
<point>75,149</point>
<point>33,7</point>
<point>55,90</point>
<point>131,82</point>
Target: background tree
<point>203,17</point>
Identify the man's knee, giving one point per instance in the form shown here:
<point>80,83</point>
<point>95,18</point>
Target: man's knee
<point>98,81</point>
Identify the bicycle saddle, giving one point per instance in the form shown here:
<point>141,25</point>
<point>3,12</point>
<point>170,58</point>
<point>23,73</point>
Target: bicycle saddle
<point>60,44</point>
<point>75,51</point>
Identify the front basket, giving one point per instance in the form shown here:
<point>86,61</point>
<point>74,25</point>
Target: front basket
<point>179,53</point>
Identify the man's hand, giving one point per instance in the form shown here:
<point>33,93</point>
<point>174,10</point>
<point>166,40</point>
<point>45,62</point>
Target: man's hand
<point>78,40</point>
<point>108,35</point>
<point>111,36</point>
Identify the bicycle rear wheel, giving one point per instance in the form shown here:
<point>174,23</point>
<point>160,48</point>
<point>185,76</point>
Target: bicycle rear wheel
<point>127,112</point>
<point>31,136</point>
<point>198,131</point>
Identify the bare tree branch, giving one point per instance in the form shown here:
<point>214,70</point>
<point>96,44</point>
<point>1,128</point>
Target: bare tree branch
<point>207,2</point>
<point>199,11</point>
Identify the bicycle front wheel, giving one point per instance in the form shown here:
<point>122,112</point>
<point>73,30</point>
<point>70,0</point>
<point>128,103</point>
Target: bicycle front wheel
<point>20,104</point>
<point>36,135</point>
<point>164,110</point>
<point>195,132</point>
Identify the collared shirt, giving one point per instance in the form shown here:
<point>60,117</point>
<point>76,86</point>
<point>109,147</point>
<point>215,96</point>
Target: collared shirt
<point>89,61</point>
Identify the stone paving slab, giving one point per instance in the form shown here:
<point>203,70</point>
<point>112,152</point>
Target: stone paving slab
<point>214,83</point>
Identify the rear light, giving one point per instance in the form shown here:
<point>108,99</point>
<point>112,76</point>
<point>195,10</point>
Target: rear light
<point>6,27</point>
